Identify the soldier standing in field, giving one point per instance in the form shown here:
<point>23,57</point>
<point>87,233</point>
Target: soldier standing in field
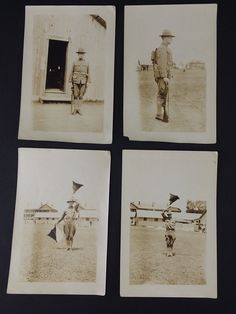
<point>170,234</point>
<point>162,63</point>
<point>79,78</point>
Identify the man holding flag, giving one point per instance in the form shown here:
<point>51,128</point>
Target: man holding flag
<point>70,218</point>
<point>170,236</point>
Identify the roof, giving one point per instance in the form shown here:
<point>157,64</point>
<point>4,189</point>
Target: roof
<point>100,20</point>
<point>154,206</point>
<point>46,207</point>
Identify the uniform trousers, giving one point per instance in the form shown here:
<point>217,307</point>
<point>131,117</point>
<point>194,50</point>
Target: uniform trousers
<point>162,90</point>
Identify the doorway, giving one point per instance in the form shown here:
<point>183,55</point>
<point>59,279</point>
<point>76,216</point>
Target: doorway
<point>56,65</point>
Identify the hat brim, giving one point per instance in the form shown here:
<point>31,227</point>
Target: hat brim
<point>82,52</point>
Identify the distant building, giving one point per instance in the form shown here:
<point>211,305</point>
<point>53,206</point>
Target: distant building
<point>195,64</point>
<point>151,216</point>
<point>48,214</point>
<point>151,206</point>
<point>200,224</point>
<point>29,214</point>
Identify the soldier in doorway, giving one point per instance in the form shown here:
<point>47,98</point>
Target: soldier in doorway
<point>79,78</point>
<point>162,63</point>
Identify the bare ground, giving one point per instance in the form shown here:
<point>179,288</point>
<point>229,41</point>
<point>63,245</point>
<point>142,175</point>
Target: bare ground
<point>150,265</point>
<point>44,260</point>
<point>187,102</point>
<point>56,117</point>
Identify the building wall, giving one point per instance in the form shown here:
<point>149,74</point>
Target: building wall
<point>80,31</point>
<point>158,223</point>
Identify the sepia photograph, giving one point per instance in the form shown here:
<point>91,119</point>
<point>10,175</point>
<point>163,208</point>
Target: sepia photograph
<point>170,73</point>
<point>60,228</point>
<point>169,224</point>
<point>68,69</point>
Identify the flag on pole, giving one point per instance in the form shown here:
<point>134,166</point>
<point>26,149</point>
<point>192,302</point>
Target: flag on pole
<point>76,186</point>
<point>56,234</point>
<point>173,198</point>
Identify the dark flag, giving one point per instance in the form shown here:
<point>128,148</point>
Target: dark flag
<point>76,186</point>
<point>173,198</point>
<point>52,234</point>
<point>56,234</point>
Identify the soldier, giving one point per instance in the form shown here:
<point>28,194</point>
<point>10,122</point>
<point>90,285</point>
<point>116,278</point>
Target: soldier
<point>162,63</point>
<point>70,218</point>
<point>79,78</point>
<point>170,233</point>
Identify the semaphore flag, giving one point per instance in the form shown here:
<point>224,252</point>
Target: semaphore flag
<point>76,186</point>
<point>56,234</point>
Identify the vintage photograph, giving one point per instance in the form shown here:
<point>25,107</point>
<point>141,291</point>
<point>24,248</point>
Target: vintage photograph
<point>60,228</point>
<point>68,68</point>
<point>170,73</point>
<point>169,224</point>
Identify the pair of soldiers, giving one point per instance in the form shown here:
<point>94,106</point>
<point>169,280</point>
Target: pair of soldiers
<point>80,78</point>
<point>162,63</point>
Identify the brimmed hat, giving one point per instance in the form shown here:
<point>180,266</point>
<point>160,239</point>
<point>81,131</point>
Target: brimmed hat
<point>166,33</point>
<point>80,50</point>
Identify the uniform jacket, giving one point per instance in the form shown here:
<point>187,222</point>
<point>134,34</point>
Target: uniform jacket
<point>162,61</point>
<point>80,72</point>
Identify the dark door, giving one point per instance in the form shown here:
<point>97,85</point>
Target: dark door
<point>56,64</point>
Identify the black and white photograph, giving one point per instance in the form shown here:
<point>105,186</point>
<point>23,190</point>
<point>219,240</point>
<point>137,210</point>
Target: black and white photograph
<point>170,73</point>
<point>60,227</point>
<point>68,72</point>
<point>169,224</point>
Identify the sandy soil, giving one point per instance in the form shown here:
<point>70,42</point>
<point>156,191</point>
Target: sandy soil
<point>56,117</point>
<point>44,260</point>
<point>187,100</point>
<point>150,265</point>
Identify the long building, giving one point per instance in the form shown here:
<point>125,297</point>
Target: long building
<point>151,216</point>
<point>48,214</point>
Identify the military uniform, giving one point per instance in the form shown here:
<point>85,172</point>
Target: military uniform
<point>70,218</point>
<point>162,63</point>
<point>79,78</point>
<point>170,235</point>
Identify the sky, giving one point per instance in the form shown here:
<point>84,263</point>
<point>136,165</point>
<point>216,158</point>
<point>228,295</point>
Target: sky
<point>193,27</point>
<point>190,175</point>
<point>45,176</point>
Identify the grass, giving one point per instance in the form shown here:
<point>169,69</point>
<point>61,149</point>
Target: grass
<point>150,265</point>
<point>187,102</point>
<point>44,260</point>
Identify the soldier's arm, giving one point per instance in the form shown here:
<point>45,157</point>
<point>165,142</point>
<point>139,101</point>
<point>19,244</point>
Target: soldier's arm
<point>88,75</point>
<point>62,217</point>
<point>162,62</point>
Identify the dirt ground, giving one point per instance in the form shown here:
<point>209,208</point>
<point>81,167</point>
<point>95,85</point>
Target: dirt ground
<point>187,102</point>
<point>56,117</point>
<point>44,260</point>
<point>150,265</point>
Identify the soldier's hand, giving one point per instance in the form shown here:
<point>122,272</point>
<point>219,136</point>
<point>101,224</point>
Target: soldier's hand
<point>166,80</point>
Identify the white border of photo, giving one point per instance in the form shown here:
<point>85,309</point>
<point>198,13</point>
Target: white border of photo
<point>26,130</point>
<point>132,119</point>
<point>143,168</point>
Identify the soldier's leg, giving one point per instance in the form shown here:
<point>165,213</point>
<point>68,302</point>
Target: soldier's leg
<point>76,96</point>
<point>160,100</point>
<point>81,94</point>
